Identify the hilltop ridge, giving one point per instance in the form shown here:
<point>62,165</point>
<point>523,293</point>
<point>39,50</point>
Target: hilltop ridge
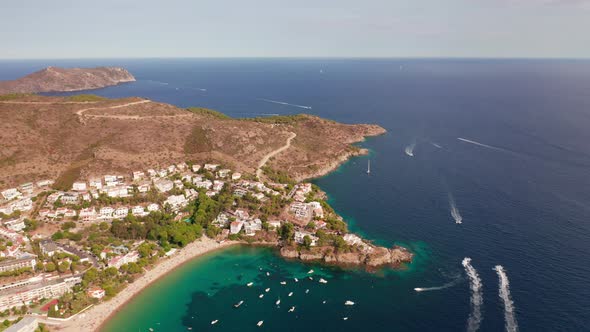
<point>77,137</point>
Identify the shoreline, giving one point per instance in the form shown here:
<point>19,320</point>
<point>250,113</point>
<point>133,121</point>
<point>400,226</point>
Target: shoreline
<point>96,317</point>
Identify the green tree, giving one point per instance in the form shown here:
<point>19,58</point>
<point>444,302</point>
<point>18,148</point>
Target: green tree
<point>50,267</point>
<point>63,267</point>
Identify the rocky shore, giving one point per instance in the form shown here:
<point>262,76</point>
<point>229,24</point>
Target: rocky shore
<point>370,259</point>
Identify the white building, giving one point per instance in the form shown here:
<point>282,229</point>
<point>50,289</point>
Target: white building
<point>106,212</point>
<point>153,207</point>
<point>276,224</point>
<point>164,185</point>
<point>79,186</point>
<point>24,204</point>
<point>119,261</point>
<point>95,183</point>
<point>11,193</point>
<point>221,220</point>
<point>218,185</point>
<point>15,224</point>
<point>44,183</point>
<point>204,184</point>
<point>138,211</point>
<point>176,201</point>
<point>211,167</point>
<point>121,212</point>
<point>138,175</point>
<point>196,168</point>
<point>87,214</point>
<point>235,227</point>
<point>236,176</point>
<point>222,173</point>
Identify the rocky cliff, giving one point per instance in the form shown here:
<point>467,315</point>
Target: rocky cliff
<point>54,79</point>
<point>377,257</point>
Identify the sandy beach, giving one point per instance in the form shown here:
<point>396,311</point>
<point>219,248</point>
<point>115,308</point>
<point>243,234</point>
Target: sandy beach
<point>93,318</point>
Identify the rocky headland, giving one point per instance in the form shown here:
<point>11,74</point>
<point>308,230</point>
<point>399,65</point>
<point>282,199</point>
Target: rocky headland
<point>55,79</point>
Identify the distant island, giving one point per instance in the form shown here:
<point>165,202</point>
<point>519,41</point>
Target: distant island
<point>55,79</point>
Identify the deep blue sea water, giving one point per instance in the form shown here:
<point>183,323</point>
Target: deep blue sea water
<point>520,179</point>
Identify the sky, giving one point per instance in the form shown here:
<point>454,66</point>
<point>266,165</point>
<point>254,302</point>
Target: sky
<point>303,28</point>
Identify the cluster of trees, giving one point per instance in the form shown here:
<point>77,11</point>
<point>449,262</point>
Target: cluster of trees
<point>330,239</point>
<point>157,226</point>
<point>16,272</point>
<point>278,176</point>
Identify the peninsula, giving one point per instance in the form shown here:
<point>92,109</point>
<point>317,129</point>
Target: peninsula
<point>55,79</point>
<point>101,197</point>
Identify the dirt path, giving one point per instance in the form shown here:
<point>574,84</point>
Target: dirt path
<point>274,153</point>
<point>79,112</point>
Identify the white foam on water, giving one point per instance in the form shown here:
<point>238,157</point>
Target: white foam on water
<point>284,103</point>
<point>455,213</point>
<point>410,149</point>
<point>475,317</point>
<point>504,293</point>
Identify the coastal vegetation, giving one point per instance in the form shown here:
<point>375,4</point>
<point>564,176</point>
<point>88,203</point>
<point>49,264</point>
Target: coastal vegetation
<point>207,112</point>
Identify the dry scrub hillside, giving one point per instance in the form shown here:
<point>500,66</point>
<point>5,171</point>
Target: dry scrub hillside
<point>78,137</point>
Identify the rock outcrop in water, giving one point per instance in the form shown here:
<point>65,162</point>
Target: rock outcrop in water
<point>374,258</point>
<point>54,79</point>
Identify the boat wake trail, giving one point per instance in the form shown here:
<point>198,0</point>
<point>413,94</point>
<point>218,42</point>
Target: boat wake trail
<point>447,285</point>
<point>454,211</point>
<point>476,296</point>
<point>504,293</point>
<point>284,103</point>
<point>436,145</point>
<point>483,145</point>
<point>410,149</point>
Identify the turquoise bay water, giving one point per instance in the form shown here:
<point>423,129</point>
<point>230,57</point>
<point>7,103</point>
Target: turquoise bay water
<point>207,288</point>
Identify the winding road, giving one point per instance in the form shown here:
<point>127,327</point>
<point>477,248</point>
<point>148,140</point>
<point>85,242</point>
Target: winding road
<point>265,159</point>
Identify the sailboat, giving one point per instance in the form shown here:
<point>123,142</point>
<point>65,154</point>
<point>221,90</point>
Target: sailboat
<point>369,167</point>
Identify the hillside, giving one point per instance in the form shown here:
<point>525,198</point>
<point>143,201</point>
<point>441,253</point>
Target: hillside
<point>77,137</point>
<point>52,79</point>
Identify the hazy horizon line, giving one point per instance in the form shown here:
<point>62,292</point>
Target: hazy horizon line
<point>303,58</point>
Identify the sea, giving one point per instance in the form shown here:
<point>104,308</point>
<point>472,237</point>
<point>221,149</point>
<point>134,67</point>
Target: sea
<point>484,159</point>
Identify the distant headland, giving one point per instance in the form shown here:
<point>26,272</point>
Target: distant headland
<point>55,79</point>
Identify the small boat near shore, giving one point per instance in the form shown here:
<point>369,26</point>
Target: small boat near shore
<point>345,318</point>
<point>306,291</point>
<point>214,322</point>
<point>260,323</point>
<point>237,305</point>
<point>310,272</point>
<point>349,303</point>
<point>261,296</point>
<point>267,274</point>
<point>267,290</point>
<point>250,284</point>
<point>291,294</point>
<point>292,309</point>
<point>323,281</point>
<point>283,282</point>
<point>296,280</point>
<point>278,302</point>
